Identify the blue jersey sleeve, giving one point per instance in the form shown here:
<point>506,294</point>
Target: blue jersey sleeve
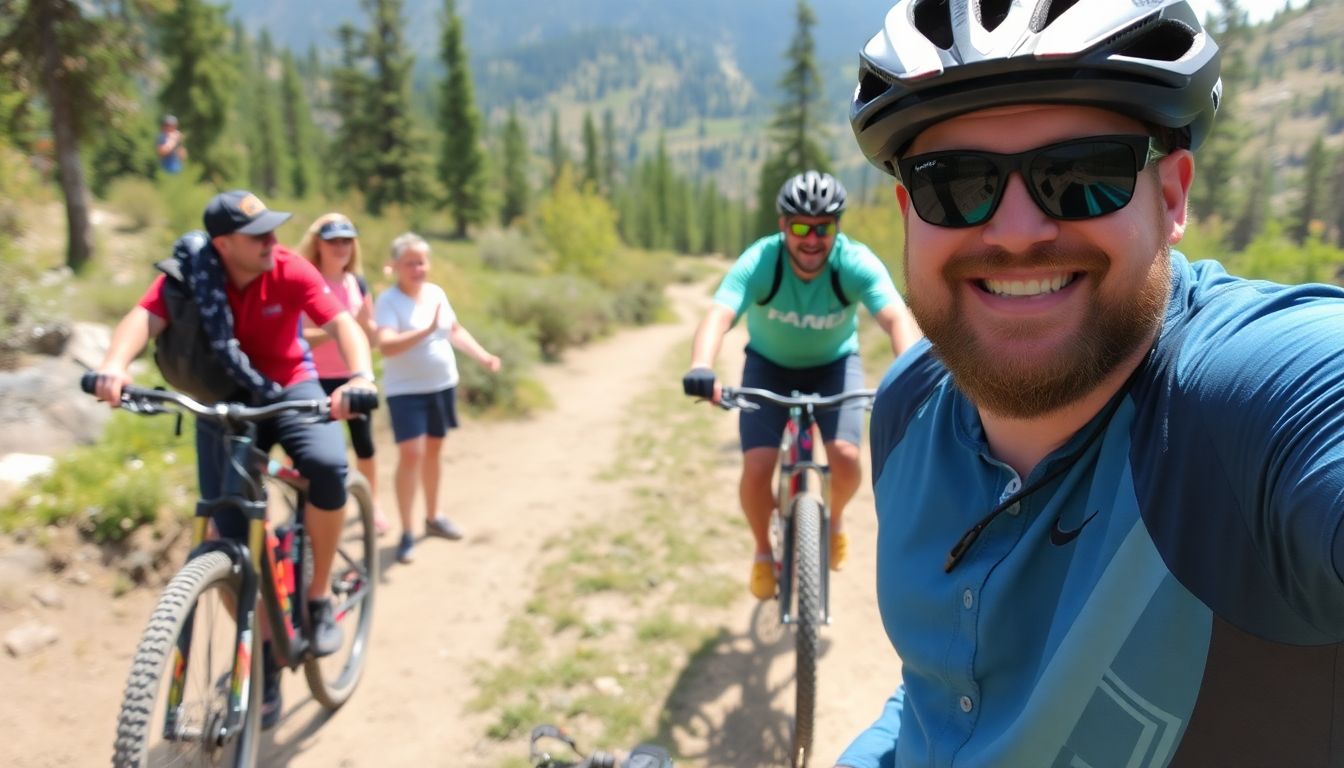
<point>1259,406</point>
<point>876,746</point>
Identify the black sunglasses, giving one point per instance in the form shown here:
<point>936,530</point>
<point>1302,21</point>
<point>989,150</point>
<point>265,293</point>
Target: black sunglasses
<point>1070,180</point>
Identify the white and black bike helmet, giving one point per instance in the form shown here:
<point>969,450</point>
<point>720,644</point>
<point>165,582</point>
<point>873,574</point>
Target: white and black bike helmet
<point>811,194</point>
<point>935,59</point>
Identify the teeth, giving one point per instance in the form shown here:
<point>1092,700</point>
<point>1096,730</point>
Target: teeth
<point>1027,287</point>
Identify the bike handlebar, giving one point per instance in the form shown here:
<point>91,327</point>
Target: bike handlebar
<point>744,398</point>
<point>149,401</point>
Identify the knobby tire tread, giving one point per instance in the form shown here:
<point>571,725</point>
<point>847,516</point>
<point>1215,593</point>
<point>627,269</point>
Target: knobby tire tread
<point>807,566</point>
<point>154,651</point>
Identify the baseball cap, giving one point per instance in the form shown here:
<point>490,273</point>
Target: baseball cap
<point>242,212</point>
<point>337,228</point>
<point>169,120</point>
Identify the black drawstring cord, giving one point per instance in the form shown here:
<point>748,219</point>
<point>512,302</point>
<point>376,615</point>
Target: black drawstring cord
<point>968,538</point>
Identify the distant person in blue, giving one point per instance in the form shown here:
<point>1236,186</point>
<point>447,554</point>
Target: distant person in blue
<point>1110,486</point>
<point>171,146</point>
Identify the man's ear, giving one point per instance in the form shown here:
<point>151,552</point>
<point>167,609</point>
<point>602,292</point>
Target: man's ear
<point>1175,174</point>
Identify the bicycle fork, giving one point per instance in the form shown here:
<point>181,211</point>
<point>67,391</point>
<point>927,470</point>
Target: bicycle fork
<point>796,464</point>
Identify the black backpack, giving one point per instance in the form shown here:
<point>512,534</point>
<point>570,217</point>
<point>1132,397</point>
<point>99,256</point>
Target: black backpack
<point>779,278</point>
<point>182,351</point>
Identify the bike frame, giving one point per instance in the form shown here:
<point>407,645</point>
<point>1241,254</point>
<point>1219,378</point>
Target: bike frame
<point>245,492</point>
<point>796,463</point>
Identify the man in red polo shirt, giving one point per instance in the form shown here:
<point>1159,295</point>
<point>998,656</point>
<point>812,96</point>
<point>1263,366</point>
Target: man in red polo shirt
<point>268,288</point>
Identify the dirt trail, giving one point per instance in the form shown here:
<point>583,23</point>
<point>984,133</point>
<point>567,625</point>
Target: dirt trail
<point>511,486</point>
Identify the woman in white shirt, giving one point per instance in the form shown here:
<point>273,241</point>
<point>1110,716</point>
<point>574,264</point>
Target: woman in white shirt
<point>417,331</point>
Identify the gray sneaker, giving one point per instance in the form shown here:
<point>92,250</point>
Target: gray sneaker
<point>443,527</point>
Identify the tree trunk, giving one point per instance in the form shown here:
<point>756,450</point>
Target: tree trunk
<point>79,230</point>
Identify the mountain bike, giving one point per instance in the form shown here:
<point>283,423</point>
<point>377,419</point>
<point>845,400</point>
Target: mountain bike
<point>193,696</point>
<point>642,756</point>
<point>800,528</point>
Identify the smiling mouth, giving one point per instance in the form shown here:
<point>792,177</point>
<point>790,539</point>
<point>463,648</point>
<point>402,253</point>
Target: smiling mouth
<point>1028,288</point>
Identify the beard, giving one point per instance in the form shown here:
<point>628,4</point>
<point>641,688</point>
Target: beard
<point>1110,331</point>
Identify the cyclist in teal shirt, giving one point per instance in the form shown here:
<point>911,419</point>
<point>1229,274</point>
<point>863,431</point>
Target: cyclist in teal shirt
<point>800,290</point>
<point>1110,487</point>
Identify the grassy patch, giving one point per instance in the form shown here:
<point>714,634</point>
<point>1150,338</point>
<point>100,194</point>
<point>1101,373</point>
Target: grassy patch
<point>138,472</point>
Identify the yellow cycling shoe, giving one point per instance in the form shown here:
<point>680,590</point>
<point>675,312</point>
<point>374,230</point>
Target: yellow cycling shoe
<point>839,549</point>
<point>763,580</point>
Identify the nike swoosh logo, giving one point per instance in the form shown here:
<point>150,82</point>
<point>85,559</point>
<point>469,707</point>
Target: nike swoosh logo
<point>1059,537</point>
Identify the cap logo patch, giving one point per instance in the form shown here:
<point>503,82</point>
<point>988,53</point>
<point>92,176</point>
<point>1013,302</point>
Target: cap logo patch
<point>252,206</point>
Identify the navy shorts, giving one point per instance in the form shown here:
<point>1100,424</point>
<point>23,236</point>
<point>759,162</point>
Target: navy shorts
<point>361,430</point>
<point>764,428</point>
<point>431,413</point>
<point>317,450</point>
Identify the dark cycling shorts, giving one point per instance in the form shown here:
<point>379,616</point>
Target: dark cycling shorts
<point>763,428</point>
<point>361,430</point>
<point>430,413</point>
<point>317,450</point>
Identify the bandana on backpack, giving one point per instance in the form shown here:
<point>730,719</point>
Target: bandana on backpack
<point>205,278</point>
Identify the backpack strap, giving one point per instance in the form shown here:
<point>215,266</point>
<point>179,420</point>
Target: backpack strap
<point>779,275</point>
<point>839,292</point>
<point>363,285</point>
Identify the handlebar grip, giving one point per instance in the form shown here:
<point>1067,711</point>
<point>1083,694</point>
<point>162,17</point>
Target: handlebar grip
<point>361,401</point>
<point>89,382</point>
<point>599,759</point>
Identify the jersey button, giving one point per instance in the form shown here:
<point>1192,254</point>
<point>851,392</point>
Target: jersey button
<point>966,704</point>
<point>967,599</point>
<point>1015,510</point>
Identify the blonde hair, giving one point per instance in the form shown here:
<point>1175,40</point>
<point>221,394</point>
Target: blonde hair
<point>408,241</point>
<point>307,247</point>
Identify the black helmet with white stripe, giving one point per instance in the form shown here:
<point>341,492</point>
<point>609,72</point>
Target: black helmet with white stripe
<point>935,59</point>
<point>811,194</point>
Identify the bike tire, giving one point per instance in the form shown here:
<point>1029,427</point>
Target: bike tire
<point>807,622</point>
<point>147,685</point>
<point>333,679</point>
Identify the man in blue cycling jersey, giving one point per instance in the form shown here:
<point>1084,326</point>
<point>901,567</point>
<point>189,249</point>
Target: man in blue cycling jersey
<point>1110,487</point>
<point>799,289</point>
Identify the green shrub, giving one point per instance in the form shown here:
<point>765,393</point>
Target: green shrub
<point>138,470</point>
<point>560,311</point>
<point>510,392</point>
<point>139,200</point>
<point>511,251</point>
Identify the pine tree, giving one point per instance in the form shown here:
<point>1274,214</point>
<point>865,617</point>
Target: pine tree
<point>1337,197</point>
<point>559,155</point>
<point>262,120</point>
<point>796,126</point>
<point>352,150</point>
<point>609,161</point>
<point>592,158</point>
<point>299,131</point>
<point>1255,210</point>
<point>201,83</point>
<point>516,189</point>
<point>396,175</point>
<point>1310,205</point>
<point>1218,165</point>
<point>461,159</point>
<point>84,93</point>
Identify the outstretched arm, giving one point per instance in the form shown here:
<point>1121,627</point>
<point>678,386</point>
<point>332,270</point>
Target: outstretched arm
<point>463,340</point>
<point>705,348</point>
<point>896,320</point>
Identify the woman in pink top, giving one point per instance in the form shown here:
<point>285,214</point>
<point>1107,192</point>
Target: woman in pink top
<point>331,244</point>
